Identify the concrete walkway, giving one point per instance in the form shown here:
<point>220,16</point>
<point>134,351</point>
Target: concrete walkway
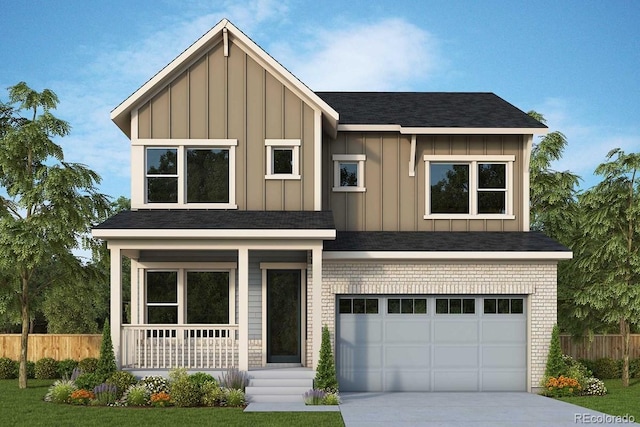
<point>465,409</point>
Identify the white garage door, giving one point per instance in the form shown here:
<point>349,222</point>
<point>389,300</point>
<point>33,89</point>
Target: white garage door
<point>431,343</point>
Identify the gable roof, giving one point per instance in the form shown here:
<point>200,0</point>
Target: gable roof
<point>121,115</point>
<point>430,112</point>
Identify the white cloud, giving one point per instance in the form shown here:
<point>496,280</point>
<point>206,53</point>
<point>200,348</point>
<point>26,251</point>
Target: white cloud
<point>390,54</point>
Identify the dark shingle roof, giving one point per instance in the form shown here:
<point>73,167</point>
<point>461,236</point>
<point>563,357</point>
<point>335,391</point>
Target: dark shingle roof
<point>428,109</point>
<point>165,219</point>
<point>428,241</point>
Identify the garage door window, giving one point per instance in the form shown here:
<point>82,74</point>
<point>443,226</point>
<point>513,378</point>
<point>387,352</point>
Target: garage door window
<point>358,306</point>
<point>503,306</point>
<point>407,306</point>
<point>455,306</point>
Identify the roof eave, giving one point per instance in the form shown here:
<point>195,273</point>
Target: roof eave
<point>440,130</point>
<point>112,233</point>
<point>447,255</point>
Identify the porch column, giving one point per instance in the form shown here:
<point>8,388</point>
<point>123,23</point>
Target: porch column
<point>116,301</point>
<point>243,309</point>
<point>316,266</point>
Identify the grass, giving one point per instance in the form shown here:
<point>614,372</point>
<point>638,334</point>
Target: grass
<point>27,408</point>
<point>618,401</point>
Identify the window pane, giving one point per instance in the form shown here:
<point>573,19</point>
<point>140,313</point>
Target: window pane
<point>393,306</point>
<point>492,175</point>
<point>162,286</point>
<point>162,161</point>
<point>162,190</point>
<point>492,202</point>
<point>442,306</point>
<point>469,306</point>
<point>208,176</point>
<point>372,305</point>
<point>348,174</point>
<point>207,297</point>
<point>345,306</point>
<point>407,306</point>
<point>489,306</point>
<point>358,306</point>
<point>283,160</point>
<point>503,306</point>
<point>455,306</point>
<point>420,306</point>
<point>516,306</point>
<point>449,188</point>
<point>162,314</point>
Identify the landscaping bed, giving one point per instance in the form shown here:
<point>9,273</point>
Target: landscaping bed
<point>618,400</point>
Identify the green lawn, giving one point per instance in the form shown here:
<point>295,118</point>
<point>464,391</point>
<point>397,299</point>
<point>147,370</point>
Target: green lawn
<point>26,408</point>
<point>618,401</point>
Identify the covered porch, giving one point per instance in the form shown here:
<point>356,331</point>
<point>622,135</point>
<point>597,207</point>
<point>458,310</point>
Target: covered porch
<point>217,289</point>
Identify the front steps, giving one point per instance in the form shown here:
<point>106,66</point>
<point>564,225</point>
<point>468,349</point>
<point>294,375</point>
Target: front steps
<point>278,385</point>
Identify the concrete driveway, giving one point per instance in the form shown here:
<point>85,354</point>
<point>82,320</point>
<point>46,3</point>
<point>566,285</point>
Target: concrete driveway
<point>465,409</point>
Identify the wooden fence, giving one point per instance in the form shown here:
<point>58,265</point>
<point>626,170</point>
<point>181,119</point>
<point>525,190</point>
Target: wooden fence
<point>601,346</point>
<point>56,346</point>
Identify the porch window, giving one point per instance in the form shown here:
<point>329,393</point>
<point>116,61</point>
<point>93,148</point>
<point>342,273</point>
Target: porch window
<point>162,297</point>
<point>207,297</point>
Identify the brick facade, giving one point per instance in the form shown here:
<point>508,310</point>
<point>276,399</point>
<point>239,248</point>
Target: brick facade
<point>536,280</point>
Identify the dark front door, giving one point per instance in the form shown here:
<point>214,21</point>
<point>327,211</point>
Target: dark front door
<point>283,316</point>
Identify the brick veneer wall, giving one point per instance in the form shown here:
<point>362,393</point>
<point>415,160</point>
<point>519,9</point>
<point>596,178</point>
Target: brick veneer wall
<point>537,280</point>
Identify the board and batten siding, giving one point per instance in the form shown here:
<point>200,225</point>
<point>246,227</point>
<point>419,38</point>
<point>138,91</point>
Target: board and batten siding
<point>395,201</point>
<point>234,97</point>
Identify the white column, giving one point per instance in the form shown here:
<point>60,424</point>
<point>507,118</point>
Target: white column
<point>243,309</point>
<point>316,304</point>
<point>116,301</point>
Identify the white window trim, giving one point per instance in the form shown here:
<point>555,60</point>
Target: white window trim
<point>294,145</point>
<point>182,145</point>
<point>182,269</point>
<point>473,162</point>
<point>348,158</point>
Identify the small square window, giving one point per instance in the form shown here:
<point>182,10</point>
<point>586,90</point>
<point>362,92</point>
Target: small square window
<point>283,158</point>
<point>371,305</point>
<point>469,306</point>
<point>442,306</point>
<point>358,306</point>
<point>345,306</point>
<point>517,306</point>
<point>393,306</point>
<point>489,306</point>
<point>349,172</point>
<point>420,306</point>
<point>503,306</point>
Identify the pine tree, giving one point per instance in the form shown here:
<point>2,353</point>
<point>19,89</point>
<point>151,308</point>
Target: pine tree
<point>326,373</point>
<point>555,364</point>
<point>107,361</point>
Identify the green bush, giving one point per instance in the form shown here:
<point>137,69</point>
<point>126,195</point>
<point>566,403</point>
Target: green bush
<point>60,391</point>
<point>66,367</point>
<point>88,365</point>
<point>107,361</point>
<point>137,395</point>
<point>607,368</point>
<point>8,369</point>
<point>46,368</point>
<point>212,394</point>
<point>326,378</point>
<point>634,368</point>
<point>185,393</point>
<point>234,397</point>
<point>31,369</point>
<point>331,399</point>
<point>122,380</point>
<point>89,381</point>
<point>200,378</point>
<point>555,365</point>
<point>234,379</point>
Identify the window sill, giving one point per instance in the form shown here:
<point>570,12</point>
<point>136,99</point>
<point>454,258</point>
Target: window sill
<point>469,216</point>
<point>282,176</point>
<point>349,189</point>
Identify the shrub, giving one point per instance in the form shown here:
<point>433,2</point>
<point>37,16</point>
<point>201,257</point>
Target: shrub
<point>121,380</point>
<point>594,387</point>
<point>234,397</point>
<point>81,397</point>
<point>66,367</point>
<point>89,381</point>
<point>184,392</point>
<point>331,399</point>
<point>234,379</point>
<point>136,395</point>
<point>88,365</point>
<point>107,361</point>
<point>106,394</point>
<point>46,368</point>
<point>607,368</point>
<point>555,365</point>
<point>155,384</point>
<point>200,378</point>
<point>562,386</point>
<point>60,391</point>
<point>326,373</point>
<point>31,369</point>
<point>314,397</point>
<point>8,369</point>
<point>577,370</point>
<point>212,394</point>
<point>634,368</point>
<point>161,399</point>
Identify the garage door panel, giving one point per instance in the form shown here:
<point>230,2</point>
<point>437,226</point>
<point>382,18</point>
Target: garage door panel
<point>455,380</point>
<point>503,331</point>
<point>455,356</point>
<point>406,357</point>
<point>406,380</point>
<point>503,357</point>
<point>453,331</point>
<point>504,380</point>
<point>361,357</point>
<point>402,331</point>
<point>369,380</point>
<point>361,331</point>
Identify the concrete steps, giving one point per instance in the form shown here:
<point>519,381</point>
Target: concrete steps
<point>279,385</point>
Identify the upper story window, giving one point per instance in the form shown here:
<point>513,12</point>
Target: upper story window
<point>201,173</point>
<point>283,158</point>
<point>469,186</point>
<point>348,172</point>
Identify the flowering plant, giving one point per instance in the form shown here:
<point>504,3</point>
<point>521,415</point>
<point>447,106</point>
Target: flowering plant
<point>81,397</point>
<point>594,387</point>
<point>161,399</point>
<point>562,386</point>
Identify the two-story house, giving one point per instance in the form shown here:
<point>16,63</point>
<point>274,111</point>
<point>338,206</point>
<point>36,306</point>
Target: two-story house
<point>262,210</point>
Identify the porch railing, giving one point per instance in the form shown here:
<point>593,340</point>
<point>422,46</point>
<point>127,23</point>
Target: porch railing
<point>182,346</point>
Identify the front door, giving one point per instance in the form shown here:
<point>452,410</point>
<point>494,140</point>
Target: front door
<point>283,316</point>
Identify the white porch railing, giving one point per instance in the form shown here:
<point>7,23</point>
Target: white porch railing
<point>179,346</point>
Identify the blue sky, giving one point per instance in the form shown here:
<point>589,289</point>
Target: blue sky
<point>576,62</point>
